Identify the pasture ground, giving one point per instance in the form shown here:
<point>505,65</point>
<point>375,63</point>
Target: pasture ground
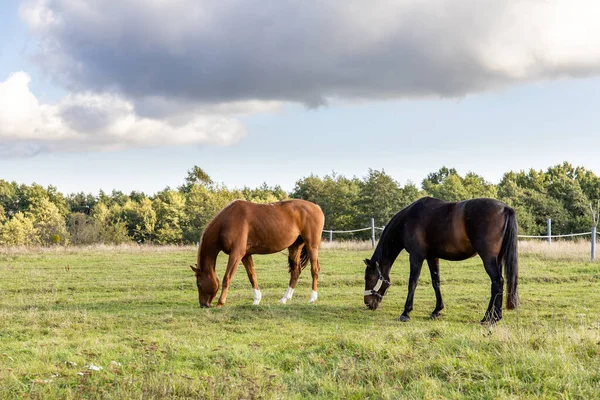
<point>64,313</point>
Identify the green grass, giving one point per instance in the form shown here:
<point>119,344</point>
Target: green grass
<point>135,313</point>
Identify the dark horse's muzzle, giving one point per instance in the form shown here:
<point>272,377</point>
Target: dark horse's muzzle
<point>372,302</point>
<point>372,296</point>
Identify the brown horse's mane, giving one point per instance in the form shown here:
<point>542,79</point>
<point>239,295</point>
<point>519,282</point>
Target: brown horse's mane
<point>211,223</point>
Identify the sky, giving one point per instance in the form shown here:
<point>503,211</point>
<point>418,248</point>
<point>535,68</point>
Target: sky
<point>131,94</point>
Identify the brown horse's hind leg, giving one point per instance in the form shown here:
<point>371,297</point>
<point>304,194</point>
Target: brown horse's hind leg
<point>249,265</point>
<point>295,269</point>
<point>232,265</point>
<point>315,267</point>
<point>434,269</point>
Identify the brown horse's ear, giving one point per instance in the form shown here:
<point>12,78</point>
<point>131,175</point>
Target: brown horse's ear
<point>367,262</point>
<point>196,270</point>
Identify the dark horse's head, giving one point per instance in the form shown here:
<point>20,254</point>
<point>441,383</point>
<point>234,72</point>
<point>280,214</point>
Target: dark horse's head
<point>376,285</point>
<point>208,286</point>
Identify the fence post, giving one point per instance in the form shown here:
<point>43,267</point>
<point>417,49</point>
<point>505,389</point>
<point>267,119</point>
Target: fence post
<point>593,243</point>
<point>331,235</point>
<point>549,230</point>
<point>372,233</point>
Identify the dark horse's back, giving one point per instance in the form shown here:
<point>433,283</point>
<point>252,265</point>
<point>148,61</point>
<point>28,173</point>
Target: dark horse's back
<point>453,230</point>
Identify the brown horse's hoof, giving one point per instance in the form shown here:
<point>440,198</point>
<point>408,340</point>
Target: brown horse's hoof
<point>404,318</point>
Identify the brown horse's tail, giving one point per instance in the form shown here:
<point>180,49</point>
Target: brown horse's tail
<point>303,259</point>
<point>509,254</point>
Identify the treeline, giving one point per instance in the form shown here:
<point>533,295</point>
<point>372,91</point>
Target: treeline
<point>34,215</point>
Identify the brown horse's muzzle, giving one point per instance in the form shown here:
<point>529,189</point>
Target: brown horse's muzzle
<point>205,305</point>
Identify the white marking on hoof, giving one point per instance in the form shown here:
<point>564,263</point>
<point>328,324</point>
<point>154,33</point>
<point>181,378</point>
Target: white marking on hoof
<point>313,296</point>
<point>287,296</point>
<point>257,296</point>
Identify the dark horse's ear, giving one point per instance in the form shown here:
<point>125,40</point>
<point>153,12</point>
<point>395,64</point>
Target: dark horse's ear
<point>196,270</point>
<point>367,262</point>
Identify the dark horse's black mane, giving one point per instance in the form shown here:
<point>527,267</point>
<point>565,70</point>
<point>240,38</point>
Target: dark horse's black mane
<point>431,229</point>
<point>385,247</point>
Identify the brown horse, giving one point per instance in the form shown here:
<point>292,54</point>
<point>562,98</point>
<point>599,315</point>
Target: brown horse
<point>243,228</point>
<point>430,229</point>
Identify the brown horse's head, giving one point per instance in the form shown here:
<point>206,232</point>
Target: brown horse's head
<point>208,286</point>
<point>376,285</point>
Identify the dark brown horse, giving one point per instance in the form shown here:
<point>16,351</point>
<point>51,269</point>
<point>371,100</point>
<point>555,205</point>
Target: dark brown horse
<point>430,229</point>
<point>243,228</point>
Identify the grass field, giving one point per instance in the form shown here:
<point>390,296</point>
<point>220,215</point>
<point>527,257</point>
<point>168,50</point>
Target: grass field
<point>120,323</point>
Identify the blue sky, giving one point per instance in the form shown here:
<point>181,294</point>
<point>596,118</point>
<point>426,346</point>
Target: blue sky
<point>246,119</point>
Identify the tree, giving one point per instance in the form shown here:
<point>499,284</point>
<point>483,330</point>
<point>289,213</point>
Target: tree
<point>48,221</point>
<point>264,194</point>
<point>337,196</point>
<point>83,229</point>
<point>380,197</point>
<point>81,203</point>
<point>202,204</point>
<point>447,184</point>
<point>111,229</point>
<point>18,231</point>
<point>140,219</point>
<point>170,217</point>
<point>195,176</point>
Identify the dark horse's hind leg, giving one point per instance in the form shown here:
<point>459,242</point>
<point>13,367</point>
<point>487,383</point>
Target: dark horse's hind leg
<point>494,310</point>
<point>434,269</point>
<point>416,263</point>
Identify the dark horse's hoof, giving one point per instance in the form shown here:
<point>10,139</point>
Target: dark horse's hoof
<point>404,318</point>
<point>491,317</point>
<point>435,315</point>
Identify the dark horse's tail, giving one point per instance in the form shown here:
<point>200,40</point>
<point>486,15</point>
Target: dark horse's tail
<point>509,254</point>
<point>303,259</point>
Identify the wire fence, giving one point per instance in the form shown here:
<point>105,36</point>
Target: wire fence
<point>549,236</point>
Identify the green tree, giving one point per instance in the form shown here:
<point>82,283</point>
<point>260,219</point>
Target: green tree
<point>447,184</point>
<point>264,194</point>
<point>195,176</point>
<point>18,231</point>
<point>380,197</point>
<point>111,229</point>
<point>202,204</point>
<point>170,217</point>
<point>140,219</point>
<point>81,203</point>
<point>338,197</point>
<point>48,221</point>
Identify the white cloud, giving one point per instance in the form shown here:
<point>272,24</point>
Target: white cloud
<point>203,52</point>
<point>91,121</point>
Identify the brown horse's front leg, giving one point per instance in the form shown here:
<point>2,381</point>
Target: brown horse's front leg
<point>232,265</point>
<point>249,265</point>
<point>315,268</point>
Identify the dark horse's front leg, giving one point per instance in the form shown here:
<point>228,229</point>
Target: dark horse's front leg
<point>416,262</point>
<point>434,269</point>
<point>494,310</point>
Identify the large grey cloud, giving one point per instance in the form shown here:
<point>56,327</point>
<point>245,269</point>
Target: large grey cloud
<point>308,51</point>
